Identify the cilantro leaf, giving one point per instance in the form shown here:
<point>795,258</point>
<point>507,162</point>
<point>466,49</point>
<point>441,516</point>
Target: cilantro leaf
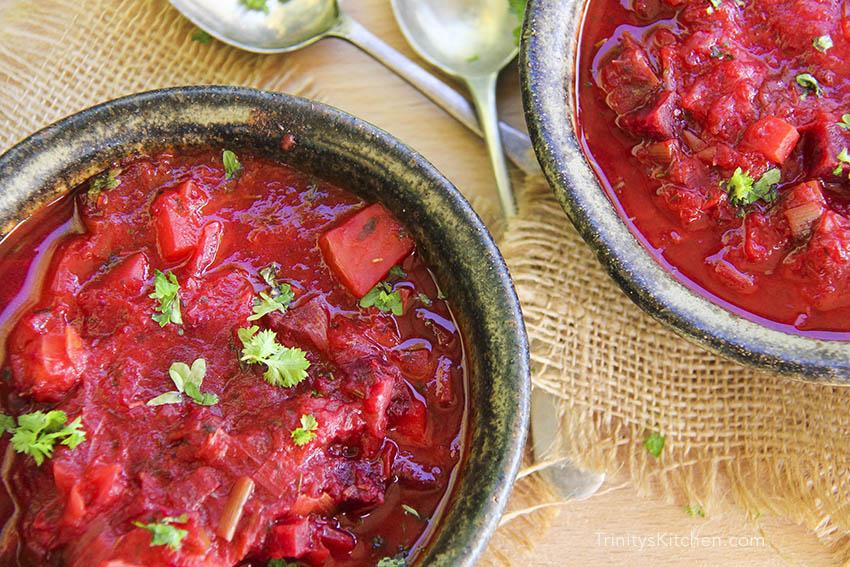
<point>186,380</point>
<point>397,272</point>
<point>7,423</point>
<point>202,37</point>
<point>269,274</point>
<point>845,122</point>
<point>231,163</point>
<point>258,5</point>
<point>103,182</point>
<point>842,157</point>
<point>743,190</point>
<point>823,43</point>
<point>167,292</point>
<point>163,533</point>
<point>38,432</point>
<point>306,433</point>
<point>384,298</point>
<point>424,299</point>
<point>280,562</point>
<point>654,444</point>
<point>397,561</point>
<point>265,303</point>
<point>285,367</point>
<point>810,83</point>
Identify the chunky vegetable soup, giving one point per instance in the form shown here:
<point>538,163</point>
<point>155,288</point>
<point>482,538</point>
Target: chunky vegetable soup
<point>721,129</point>
<point>214,359</point>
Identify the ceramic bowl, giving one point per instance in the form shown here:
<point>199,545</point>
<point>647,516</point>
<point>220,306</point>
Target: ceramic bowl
<point>366,160</point>
<point>547,66</point>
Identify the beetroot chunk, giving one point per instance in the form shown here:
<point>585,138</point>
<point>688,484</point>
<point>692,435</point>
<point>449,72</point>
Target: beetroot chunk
<point>629,78</point>
<point>823,140</point>
<point>656,120</point>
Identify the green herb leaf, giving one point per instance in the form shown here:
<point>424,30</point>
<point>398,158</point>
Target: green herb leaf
<point>397,561</point>
<point>424,299</point>
<point>166,398</point>
<point>397,272</point>
<point>695,511</point>
<point>38,432</point>
<point>259,5</point>
<point>103,182</point>
<point>654,444</point>
<point>286,366</point>
<point>163,533</point>
<point>384,299</point>
<point>231,163</point>
<point>716,3</point>
<point>845,122</point>
<point>269,274</point>
<point>518,8</point>
<point>167,292</point>
<point>411,510</point>
<point>265,304</point>
<point>810,83</point>
<point>743,190</point>
<point>822,43</point>
<point>7,423</point>
<point>307,432</point>
<point>842,157</point>
<point>202,37</point>
<point>279,562</point>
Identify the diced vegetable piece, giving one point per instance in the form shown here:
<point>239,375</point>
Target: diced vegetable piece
<point>730,275</point>
<point>629,78</point>
<point>340,542</point>
<point>822,142</point>
<point>656,120</point>
<point>207,248</point>
<point>661,152</point>
<point>772,137</point>
<point>804,204</point>
<point>177,220</point>
<point>128,277</point>
<point>47,355</point>
<point>291,539</point>
<point>239,496</point>
<point>362,250</point>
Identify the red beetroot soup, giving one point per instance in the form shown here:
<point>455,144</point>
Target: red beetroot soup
<point>214,359</point>
<point>718,129</point>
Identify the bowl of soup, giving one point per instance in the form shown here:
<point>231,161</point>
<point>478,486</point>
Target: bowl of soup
<point>700,148</point>
<point>245,328</point>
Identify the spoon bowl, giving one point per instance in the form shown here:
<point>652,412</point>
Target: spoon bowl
<point>461,37</point>
<point>284,27</point>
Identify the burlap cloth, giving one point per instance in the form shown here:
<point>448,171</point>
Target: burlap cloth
<point>768,444</point>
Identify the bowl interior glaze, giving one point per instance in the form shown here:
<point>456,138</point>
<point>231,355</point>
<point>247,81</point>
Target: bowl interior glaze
<point>551,36</point>
<point>367,161</point>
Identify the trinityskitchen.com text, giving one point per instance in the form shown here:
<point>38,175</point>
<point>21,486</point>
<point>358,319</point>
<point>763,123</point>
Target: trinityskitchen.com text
<point>673,541</point>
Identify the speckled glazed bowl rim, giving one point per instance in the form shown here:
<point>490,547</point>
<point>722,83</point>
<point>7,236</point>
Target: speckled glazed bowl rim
<point>550,40</point>
<point>368,161</point>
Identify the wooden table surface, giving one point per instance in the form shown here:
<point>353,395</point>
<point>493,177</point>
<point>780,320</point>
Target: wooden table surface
<point>618,526</point>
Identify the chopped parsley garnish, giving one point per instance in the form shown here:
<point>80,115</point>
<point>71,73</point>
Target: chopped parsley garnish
<point>716,3</point>
<point>424,299</point>
<point>280,562</point>
<point>518,8</point>
<point>397,561</point>
<point>187,381</point>
<point>384,298</point>
<point>654,444</point>
<point>822,43</point>
<point>695,511</point>
<point>259,5</point>
<point>808,82</point>
<point>842,157</point>
<point>231,164</point>
<point>167,292</point>
<point>103,182</point>
<point>743,190</point>
<point>411,510</point>
<point>286,366</point>
<point>307,432</point>
<point>163,533</point>
<point>201,37</point>
<point>37,433</point>
<point>397,272</point>
<point>845,122</point>
<point>278,298</point>
<point>7,423</point>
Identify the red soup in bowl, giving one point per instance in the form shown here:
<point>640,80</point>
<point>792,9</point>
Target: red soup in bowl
<point>214,359</point>
<point>720,130</point>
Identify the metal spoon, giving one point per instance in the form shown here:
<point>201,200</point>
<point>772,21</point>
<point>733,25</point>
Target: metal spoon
<point>472,40</point>
<point>288,25</point>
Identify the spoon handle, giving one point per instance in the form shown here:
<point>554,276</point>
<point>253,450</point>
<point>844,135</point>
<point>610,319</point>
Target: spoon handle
<point>516,144</point>
<point>483,91</point>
